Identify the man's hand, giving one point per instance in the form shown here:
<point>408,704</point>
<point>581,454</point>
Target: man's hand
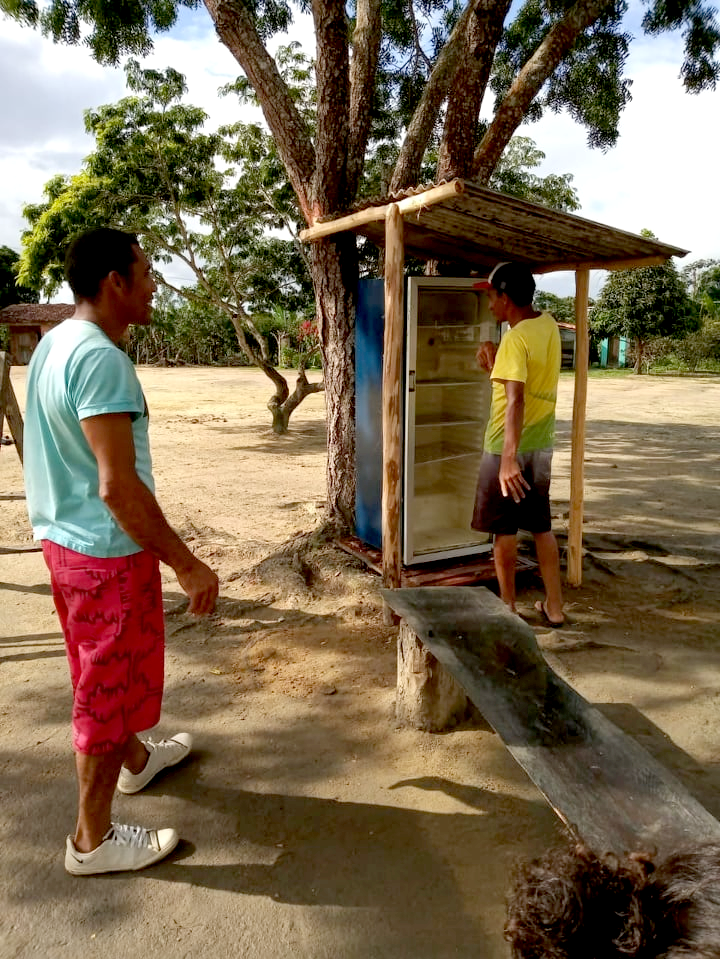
<point>201,585</point>
<point>512,482</point>
<point>485,355</point>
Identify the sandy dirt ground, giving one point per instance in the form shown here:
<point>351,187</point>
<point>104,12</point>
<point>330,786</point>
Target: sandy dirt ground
<point>313,825</point>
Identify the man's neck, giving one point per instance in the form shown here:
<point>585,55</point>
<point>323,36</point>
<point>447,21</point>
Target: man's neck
<point>92,311</point>
<point>520,313</point>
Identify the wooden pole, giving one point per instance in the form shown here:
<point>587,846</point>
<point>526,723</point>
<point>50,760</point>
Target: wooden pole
<point>9,408</point>
<point>392,396</point>
<point>372,214</point>
<point>577,448</point>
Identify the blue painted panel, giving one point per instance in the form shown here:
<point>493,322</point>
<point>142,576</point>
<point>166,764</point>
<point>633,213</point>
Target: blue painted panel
<point>604,348</point>
<point>369,328</point>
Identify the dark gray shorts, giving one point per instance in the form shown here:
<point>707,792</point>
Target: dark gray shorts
<point>495,513</point>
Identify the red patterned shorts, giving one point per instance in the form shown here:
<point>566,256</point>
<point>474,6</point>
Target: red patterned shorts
<point>112,618</point>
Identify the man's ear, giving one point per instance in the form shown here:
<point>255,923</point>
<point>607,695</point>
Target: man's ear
<point>116,281</point>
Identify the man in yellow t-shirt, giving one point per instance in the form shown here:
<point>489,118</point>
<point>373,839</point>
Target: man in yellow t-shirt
<point>514,483</point>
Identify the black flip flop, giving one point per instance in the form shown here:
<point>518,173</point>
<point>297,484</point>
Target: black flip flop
<point>540,608</point>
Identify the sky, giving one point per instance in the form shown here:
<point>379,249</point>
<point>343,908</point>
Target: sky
<point>662,175</point>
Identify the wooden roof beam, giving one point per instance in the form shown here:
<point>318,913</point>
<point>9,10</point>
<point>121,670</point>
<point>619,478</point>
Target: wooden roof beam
<point>602,264</point>
<point>373,214</point>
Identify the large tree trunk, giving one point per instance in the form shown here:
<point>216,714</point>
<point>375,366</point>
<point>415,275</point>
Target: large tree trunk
<point>323,183</point>
<point>455,156</point>
<point>334,268</point>
<point>407,167</point>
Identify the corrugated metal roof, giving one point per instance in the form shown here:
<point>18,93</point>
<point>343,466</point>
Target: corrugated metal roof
<point>476,227</point>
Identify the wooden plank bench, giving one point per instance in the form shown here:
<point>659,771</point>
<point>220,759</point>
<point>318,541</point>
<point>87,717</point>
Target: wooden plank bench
<point>602,784</point>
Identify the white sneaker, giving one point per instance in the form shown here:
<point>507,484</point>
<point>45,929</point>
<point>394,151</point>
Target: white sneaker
<point>167,752</point>
<point>124,848</point>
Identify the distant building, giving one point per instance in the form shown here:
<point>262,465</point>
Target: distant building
<point>567,342</point>
<point>27,322</point>
<point>614,351</point>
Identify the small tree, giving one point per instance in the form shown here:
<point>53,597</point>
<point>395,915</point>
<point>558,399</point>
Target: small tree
<point>700,349</point>
<point>207,201</point>
<point>561,307</point>
<point>11,291</point>
<point>642,305</point>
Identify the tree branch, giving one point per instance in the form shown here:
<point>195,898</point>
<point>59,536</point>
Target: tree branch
<point>234,24</point>
<point>421,126</point>
<point>333,98</point>
<point>529,82</point>
<point>363,68</point>
<point>468,89</point>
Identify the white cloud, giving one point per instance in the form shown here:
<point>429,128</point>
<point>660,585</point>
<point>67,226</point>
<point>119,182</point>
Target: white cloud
<point>41,120</point>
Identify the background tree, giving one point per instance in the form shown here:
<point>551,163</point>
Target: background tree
<point>644,304</point>
<point>561,307</point>
<point>12,292</point>
<point>183,332</point>
<point>701,349</point>
<point>703,280</point>
<point>202,202</point>
<point>421,66</point>
<point>514,175</point>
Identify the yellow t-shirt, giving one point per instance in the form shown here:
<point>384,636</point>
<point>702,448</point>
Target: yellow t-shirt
<point>529,353</point>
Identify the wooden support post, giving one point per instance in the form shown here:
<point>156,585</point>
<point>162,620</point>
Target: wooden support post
<point>392,398</point>
<point>577,449</point>
<point>427,696</point>
<point>9,408</point>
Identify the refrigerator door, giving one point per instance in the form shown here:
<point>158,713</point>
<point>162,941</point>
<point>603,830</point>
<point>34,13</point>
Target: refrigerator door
<point>447,402</point>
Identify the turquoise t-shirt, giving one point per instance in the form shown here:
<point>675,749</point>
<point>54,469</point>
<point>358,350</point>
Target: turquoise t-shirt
<point>76,372</point>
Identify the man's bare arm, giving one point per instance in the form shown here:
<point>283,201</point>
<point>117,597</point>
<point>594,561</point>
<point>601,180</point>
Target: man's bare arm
<point>137,511</point>
<point>512,482</point>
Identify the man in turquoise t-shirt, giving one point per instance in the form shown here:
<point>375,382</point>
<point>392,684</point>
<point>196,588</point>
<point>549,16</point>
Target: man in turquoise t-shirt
<point>514,484</point>
<point>91,502</point>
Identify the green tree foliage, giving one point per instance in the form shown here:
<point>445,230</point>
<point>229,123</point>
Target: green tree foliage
<point>644,304</point>
<point>703,280</point>
<point>204,201</point>
<point>11,291</point>
<point>561,307</point>
<point>514,175</point>
<point>183,332</point>
<point>701,348</point>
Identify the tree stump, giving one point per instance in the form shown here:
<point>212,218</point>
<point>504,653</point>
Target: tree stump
<point>427,697</point>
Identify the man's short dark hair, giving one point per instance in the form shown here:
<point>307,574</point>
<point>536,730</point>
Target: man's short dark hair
<point>93,255</point>
<point>572,904</point>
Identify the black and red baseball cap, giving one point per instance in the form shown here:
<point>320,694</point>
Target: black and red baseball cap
<point>515,279</point>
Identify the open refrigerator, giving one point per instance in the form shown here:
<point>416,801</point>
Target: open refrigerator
<point>446,406</point>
